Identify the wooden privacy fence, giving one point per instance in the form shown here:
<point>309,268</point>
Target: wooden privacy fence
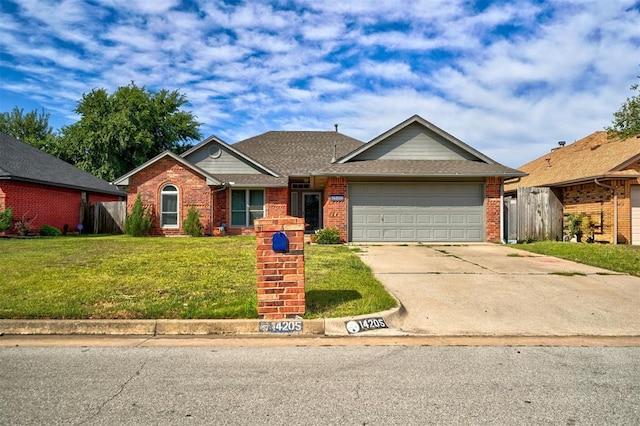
<point>534,214</point>
<point>109,217</point>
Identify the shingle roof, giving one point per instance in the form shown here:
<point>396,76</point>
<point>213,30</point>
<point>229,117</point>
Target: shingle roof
<point>591,157</point>
<point>420,168</point>
<point>297,153</point>
<point>23,162</point>
<point>252,180</point>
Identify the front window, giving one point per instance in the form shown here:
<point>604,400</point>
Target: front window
<point>247,205</point>
<point>169,207</point>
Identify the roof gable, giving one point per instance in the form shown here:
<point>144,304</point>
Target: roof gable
<point>217,157</point>
<point>594,156</point>
<point>23,162</point>
<point>124,179</point>
<point>416,139</point>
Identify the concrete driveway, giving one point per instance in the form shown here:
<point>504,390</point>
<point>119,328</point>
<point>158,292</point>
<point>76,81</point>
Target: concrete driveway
<point>495,290</point>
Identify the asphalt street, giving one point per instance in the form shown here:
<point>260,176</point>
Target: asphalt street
<point>319,385</point>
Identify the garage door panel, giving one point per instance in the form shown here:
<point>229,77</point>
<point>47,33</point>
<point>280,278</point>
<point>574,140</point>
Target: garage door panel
<point>424,219</point>
<point>474,219</point>
<point>372,219</point>
<point>456,219</point>
<point>390,234</point>
<point>441,234</point>
<point>390,219</point>
<point>416,212</point>
<point>407,234</point>
<point>440,219</point>
<point>373,234</point>
<point>407,219</point>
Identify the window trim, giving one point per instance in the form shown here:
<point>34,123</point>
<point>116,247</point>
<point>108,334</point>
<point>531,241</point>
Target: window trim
<point>164,192</point>
<point>246,210</point>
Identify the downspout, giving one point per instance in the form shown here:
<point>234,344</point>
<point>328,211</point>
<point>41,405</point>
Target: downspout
<point>615,209</point>
<point>211,208</point>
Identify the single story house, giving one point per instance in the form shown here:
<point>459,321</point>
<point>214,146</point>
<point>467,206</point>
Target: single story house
<point>414,182</point>
<point>597,177</point>
<point>45,190</point>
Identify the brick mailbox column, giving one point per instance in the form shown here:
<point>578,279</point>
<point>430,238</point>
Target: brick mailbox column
<point>280,274</point>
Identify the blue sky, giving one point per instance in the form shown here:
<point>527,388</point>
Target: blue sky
<point>510,78</point>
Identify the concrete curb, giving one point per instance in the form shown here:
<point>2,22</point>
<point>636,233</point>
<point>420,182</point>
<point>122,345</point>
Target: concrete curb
<point>145,327</point>
<point>195,327</point>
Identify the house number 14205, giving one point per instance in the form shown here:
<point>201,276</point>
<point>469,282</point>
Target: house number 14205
<point>280,326</point>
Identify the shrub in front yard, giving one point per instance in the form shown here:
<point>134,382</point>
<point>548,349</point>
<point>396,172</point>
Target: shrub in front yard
<point>49,231</point>
<point>25,225</point>
<point>328,236</point>
<point>139,222</point>
<point>6,219</point>
<point>191,224</point>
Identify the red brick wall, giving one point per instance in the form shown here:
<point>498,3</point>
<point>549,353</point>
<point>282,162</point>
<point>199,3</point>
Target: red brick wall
<point>335,213</point>
<point>220,206</point>
<point>276,202</point>
<point>47,205</point>
<point>492,209</point>
<point>192,190</point>
<point>280,276</point>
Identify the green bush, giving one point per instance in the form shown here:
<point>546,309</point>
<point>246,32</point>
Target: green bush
<point>191,224</point>
<point>328,236</point>
<point>6,219</point>
<point>139,222</point>
<point>49,231</point>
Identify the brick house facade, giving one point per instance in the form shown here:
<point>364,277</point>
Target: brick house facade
<point>596,177</point>
<point>313,175</point>
<point>44,190</point>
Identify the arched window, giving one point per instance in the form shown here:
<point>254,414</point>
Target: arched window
<point>169,207</point>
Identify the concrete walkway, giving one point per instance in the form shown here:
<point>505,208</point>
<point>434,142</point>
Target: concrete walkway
<point>494,290</point>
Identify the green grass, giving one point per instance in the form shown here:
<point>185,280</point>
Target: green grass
<point>339,284</point>
<point>123,277</point>
<point>619,258</point>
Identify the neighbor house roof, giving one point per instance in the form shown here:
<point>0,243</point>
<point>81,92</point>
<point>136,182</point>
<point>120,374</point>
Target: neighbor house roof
<point>297,153</point>
<point>25,163</point>
<point>595,156</point>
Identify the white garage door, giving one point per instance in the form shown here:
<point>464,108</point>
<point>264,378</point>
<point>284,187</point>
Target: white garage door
<point>416,212</point>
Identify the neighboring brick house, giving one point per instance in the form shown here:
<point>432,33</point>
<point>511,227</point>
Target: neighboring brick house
<point>46,190</point>
<point>595,176</point>
<point>414,182</point>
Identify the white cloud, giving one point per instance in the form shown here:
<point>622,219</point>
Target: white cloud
<point>519,74</point>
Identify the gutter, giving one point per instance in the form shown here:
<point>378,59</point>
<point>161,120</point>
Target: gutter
<point>615,208</point>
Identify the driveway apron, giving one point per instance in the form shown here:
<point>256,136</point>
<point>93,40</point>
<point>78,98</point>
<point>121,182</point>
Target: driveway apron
<point>495,290</point>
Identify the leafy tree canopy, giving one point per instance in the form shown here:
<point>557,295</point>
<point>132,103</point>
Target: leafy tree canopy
<point>118,132</point>
<point>626,121</point>
<point>32,128</point>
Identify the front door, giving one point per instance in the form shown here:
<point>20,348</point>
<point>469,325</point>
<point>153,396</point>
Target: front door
<point>311,209</point>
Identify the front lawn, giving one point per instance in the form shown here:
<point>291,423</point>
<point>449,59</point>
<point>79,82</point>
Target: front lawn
<point>619,258</point>
<point>124,277</point>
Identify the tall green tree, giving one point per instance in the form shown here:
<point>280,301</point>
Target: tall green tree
<point>626,121</point>
<point>32,127</point>
<point>118,132</point>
